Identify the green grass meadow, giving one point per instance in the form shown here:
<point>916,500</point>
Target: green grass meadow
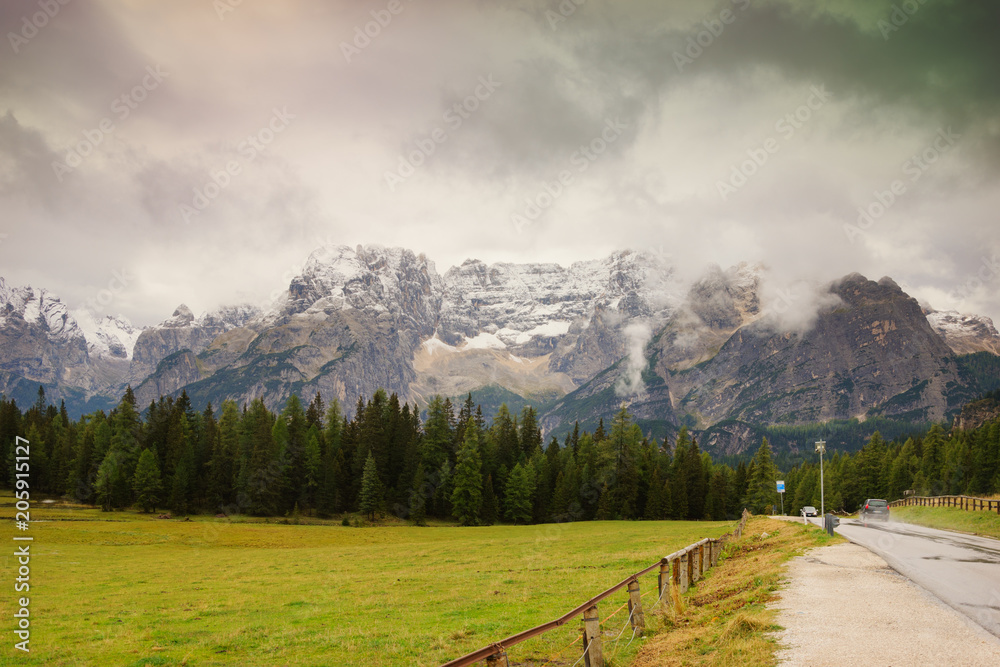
<point>130,589</point>
<point>978,522</point>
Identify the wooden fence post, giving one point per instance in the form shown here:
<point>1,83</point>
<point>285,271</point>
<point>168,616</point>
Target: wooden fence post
<point>635,607</point>
<point>695,561</point>
<point>592,638</point>
<point>663,579</point>
<point>685,571</point>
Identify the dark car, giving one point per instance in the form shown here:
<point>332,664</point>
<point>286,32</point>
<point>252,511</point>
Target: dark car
<point>874,509</point>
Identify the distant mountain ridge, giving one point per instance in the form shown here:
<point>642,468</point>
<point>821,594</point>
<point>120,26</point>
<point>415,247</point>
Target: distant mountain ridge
<point>581,339</point>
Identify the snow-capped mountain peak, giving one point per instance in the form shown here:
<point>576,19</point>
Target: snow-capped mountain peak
<point>108,336</point>
<point>965,333</point>
<point>182,317</point>
<point>39,307</point>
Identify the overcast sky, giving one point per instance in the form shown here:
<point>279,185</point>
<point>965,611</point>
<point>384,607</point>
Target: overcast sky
<point>711,132</point>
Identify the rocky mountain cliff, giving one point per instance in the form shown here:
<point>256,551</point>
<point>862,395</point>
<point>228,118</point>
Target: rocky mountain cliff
<point>871,352</point>
<point>580,340</point>
<point>41,342</point>
<point>965,334</point>
<point>181,331</point>
<point>361,318</point>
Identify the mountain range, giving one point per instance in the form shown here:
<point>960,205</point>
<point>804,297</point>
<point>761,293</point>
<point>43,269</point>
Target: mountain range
<point>577,342</point>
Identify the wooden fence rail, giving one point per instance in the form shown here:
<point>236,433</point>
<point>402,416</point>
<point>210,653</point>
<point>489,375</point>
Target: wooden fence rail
<point>962,502</point>
<point>681,568</point>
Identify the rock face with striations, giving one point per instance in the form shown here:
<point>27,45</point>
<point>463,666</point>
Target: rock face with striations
<point>40,340</point>
<point>181,331</point>
<point>349,324</point>
<point>871,353</point>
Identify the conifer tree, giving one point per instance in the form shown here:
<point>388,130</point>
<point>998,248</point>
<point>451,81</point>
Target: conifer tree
<point>223,462</point>
<point>182,484</point>
<point>332,462</point>
<point>467,496</point>
<point>490,512</point>
<point>933,457</point>
<point>565,499</point>
<point>530,435</point>
<point>623,444</point>
<point>418,498</point>
<point>126,432</point>
<point>761,487</point>
<point>290,440</point>
<point>146,482</point>
<point>261,479</point>
<point>520,486</point>
<point>504,433</point>
<point>315,411</point>
<point>679,476</point>
<point>718,490</point>
<point>435,448</point>
<point>599,434</point>
<point>739,490</point>
<point>371,489</point>
<point>697,486</point>
<point>654,502</point>
<point>445,484</point>
<point>80,481</point>
<point>108,482</point>
<point>309,496</point>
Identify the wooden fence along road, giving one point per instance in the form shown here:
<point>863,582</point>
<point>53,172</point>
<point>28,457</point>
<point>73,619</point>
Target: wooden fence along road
<point>681,568</point>
<point>962,502</point>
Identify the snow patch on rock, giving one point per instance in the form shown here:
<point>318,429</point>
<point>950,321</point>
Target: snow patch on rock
<point>484,341</point>
<point>108,336</point>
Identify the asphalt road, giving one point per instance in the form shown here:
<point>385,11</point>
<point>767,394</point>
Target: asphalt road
<point>961,570</point>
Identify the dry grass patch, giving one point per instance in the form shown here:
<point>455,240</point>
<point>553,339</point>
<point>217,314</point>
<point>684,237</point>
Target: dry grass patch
<point>727,621</point>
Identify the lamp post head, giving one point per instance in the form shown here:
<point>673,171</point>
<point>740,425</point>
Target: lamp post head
<point>821,446</point>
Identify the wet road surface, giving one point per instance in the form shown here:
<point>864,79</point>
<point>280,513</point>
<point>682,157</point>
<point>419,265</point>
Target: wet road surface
<point>961,570</point>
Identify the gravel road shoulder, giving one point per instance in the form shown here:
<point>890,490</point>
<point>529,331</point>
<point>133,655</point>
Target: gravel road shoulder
<point>843,605</point>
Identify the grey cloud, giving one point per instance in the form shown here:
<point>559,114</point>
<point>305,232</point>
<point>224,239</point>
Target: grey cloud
<point>25,161</point>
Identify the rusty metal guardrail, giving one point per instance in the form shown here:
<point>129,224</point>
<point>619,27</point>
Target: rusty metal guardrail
<point>969,503</point>
<point>681,568</point>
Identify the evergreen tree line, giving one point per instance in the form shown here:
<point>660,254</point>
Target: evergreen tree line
<point>386,459</point>
<point>936,463</point>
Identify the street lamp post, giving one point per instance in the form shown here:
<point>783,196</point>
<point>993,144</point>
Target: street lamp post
<point>821,447</point>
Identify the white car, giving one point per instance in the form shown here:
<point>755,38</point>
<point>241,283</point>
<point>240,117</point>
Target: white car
<point>808,510</point>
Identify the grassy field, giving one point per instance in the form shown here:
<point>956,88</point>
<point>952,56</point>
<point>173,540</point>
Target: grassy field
<point>129,589</point>
<point>979,522</point>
